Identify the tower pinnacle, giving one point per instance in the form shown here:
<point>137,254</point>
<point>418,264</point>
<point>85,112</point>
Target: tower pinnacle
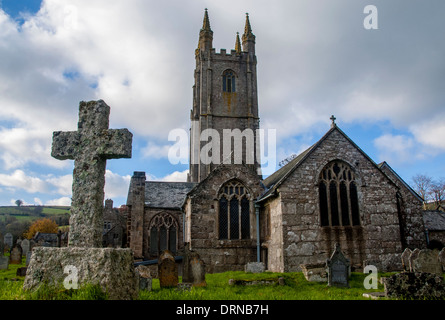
<point>205,34</point>
<point>248,37</point>
<point>237,44</point>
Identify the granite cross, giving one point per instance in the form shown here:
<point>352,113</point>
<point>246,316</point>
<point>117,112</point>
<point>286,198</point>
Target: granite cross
<point>90,147</point>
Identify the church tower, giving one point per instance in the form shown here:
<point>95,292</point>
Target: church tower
<point>225,101</point>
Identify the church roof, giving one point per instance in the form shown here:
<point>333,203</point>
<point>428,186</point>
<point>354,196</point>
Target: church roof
<point>277,178</point>
<point>171,195</point>
<point>434,220</point>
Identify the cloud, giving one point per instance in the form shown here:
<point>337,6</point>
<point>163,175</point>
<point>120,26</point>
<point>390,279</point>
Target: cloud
<point>397,149</point>
<point>63,201</point>
<point>177,176</point>
<point>116,185</point>
<point>19,180</point>
<point>431,132</point>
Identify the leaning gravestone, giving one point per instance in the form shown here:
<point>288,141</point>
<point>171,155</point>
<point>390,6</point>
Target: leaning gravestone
<point>112,269</point>
<point>167,270</point>
<point>4,262</point>
<point>405,259</point>
<point>8,240</point>
<point>338,268</point>
<point>16,255</point>
<point>198,272</point>
<point>428,261</point>
<point>412,257</point>
<point>25,246</point>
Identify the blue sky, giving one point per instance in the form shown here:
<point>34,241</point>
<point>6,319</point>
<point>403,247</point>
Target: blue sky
<point>385,86</point>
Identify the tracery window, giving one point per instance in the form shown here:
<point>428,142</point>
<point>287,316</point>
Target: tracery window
<point>229,81</point>
<point>163,234</point>
<point>338,195</point>
<point>234,212</point>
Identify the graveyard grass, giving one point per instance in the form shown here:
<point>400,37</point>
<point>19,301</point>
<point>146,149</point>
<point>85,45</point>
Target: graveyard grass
<point>296,288</point>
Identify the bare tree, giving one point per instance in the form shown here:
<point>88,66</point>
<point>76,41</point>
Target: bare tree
<point>422,185</point>
<point>285,161</point>
<point>437,191</point>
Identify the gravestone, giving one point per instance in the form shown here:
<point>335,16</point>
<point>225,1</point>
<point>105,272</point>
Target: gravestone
<point>8,240</point>
<point>442,258</point>
<point>145,279</point>
<point>2,248</point>
<point>428,261</point>
<point>4,262</point>
<point>167,270</point>
<point>414,285</point>
<point>21,272</point>
<point>197,268</point>
<point>411,259</point>
<point>314,272</point>
<point>255,267</point>
<point>25,247</point>
<point>28,257</point>
<point>16,255</point>
<point>90,147</point>
<point>405,259</point>
<point>338,268</point>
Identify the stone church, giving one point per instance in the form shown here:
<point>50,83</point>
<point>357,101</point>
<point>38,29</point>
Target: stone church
<point>331,193</point>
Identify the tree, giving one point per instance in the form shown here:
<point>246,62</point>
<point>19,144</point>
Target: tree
<point>18,202</point>
<point>44,225</point>
<point>422,185</point>
<point>437,191</point>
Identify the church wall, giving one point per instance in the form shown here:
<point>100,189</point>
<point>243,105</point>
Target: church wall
<point>220,255</point>
<point>376,240</point>
<point>275,237</point>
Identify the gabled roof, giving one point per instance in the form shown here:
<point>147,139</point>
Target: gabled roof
<point>171,195</point>
<point>384,164</point>
<point>434,220</point>
<point>276,179</point>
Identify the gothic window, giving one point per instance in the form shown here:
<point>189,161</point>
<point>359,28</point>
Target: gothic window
<point>234,212</point>
<point>229,81</point>
<point>338,195</point>
<point>163,234</point>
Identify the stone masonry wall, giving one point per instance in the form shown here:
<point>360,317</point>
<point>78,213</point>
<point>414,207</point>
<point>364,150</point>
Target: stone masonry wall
<point>376,240</point>
<point>220,255</point>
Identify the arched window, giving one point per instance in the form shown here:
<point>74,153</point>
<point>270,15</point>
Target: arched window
<point>234,212</point>
<point>229,81</point>
<point>163,234</point>
<point>338,195</point>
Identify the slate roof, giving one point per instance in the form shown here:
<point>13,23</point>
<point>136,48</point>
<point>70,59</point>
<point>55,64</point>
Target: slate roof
<point>160,194</point>
<point>434,220</point>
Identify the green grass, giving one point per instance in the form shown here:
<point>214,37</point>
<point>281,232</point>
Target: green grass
<point>296,288</point>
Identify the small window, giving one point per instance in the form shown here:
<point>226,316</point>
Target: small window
<point>229,81</point>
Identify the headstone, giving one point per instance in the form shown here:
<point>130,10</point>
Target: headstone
<point>28,257</point>
<point>8,240</point>
<point>314,272</point>
<point>16,255</point>
<point>442,258</point>
<point>145,279</point>
<point>338,268</point>
<point>255,267</point>
<point>25,246</point>
<point>428,261</point>
<point>167,270</point>
<point>21,272</point>
<point>405,259</point>
<point>2,248</point>
<point>411,259</point>
<point>90,147</point>
<point>418,285</point>
<point>4,262</point>
<point>198,272</point>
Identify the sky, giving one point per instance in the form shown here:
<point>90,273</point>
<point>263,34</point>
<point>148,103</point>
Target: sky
<point>385,86</point>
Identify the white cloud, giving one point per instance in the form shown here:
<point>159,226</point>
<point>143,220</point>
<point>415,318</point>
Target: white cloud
<point>63,201</point>
<point>431,132</point>
<point>177,176</point>
<point>116,185</point>
<point>63,184</point>
<point>19,180</point>
<point>396,149</point>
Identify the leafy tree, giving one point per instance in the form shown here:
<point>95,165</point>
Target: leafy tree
<point>18,202</point>
<point>44,225</point>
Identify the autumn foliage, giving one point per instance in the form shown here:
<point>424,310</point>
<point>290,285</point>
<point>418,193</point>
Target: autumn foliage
<point>44,225</point>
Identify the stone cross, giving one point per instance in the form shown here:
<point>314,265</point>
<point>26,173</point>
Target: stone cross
<point>90,146</point>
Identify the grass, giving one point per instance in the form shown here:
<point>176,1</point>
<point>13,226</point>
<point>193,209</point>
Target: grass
<point>296,288</point>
